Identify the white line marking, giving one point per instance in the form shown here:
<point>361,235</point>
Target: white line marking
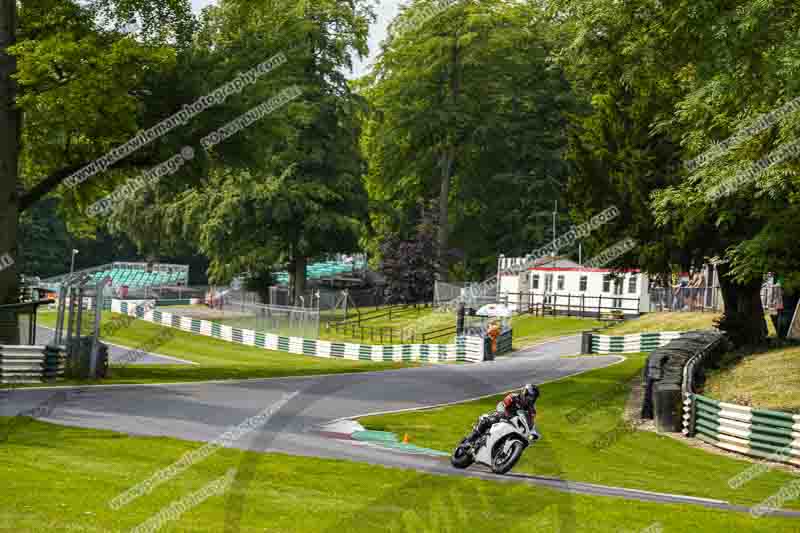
<point>619,360</point>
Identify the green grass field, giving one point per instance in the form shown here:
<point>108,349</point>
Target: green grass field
<point>654,322</point>
<point>528,329</point>
<point>533,329</point>
<point>217,359</point>
<point>638,460</point>
<point>766,379</point>
<point>413,321</point>
<point>62,479</point>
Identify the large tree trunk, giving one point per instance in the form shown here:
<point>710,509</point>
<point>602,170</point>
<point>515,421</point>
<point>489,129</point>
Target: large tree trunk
<point>9,181</point>
<point>444,206</point>
<point>297,278</point>
<point>743,320</point>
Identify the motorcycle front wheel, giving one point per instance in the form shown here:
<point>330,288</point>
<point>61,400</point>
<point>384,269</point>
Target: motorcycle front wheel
<point>503,461</point>
<point>461,458</point>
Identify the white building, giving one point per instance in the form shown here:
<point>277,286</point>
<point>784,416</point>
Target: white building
<point>561,286</point>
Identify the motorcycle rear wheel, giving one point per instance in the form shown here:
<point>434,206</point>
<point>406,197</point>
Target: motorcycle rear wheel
<point>503,462</point>
<point>461,458</point>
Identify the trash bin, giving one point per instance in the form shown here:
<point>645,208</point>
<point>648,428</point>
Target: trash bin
<point>667,407</point>
<point>488,354</point>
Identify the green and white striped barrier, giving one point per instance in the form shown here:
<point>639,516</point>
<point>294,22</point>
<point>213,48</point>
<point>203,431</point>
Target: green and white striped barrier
<point>178,301</point>
<point>759,433</point>
<point>30,364</point>
<point>465,349</point>
<point>635,343</point>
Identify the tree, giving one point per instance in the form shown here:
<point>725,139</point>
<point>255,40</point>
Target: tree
<point>410,265</point>
<point>54,59</point>
<point>288,188</point>
<point>662,81</point>
<point>9,155</point>
<point>467,111</point>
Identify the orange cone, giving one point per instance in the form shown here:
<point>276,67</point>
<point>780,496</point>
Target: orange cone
<point>405,438</point>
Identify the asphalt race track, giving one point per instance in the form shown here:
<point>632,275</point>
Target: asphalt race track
<point>118,353</point>
<point>204,411</point>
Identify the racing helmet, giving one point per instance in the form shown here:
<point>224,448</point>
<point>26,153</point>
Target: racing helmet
<point>529,394</point>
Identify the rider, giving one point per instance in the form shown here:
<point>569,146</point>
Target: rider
<point>524,400</point>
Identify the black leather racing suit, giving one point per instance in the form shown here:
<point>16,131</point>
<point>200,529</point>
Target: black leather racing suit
<point>512,403</point>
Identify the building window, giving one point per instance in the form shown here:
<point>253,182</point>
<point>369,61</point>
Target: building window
<point>584,283</point>
<point>606,283</point>
<point>535,284</point>
<point>561,283</point>
<point>632,285</point>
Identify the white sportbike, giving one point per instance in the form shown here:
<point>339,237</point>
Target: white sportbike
<point>499,448</point>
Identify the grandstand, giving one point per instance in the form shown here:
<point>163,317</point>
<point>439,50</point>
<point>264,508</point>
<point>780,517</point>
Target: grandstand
<point>131,275</point>
<point>325,270</point>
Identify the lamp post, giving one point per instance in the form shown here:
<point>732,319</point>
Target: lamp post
<point>72,263</point>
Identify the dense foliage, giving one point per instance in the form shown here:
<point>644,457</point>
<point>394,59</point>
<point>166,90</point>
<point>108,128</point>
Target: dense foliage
<point>495,110</point>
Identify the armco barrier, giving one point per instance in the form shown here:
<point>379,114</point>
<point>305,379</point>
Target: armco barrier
<point>465,349</point>
<point>756,432</point>
<point>637,342</point>
<point>30,364</point>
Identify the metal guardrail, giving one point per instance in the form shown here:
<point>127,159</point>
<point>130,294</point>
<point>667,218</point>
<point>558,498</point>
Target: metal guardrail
<point>30,364</point>
<point>759,433</point>
<point>633,343</point>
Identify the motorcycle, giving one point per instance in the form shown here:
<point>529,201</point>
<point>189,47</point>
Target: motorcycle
<point>499,448</point>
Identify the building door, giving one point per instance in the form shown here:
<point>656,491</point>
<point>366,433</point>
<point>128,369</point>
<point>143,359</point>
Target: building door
<point>617,292</point>
<point>548,288</point>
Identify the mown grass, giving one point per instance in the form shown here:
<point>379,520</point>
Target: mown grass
<point>530,329</point>
<point>654,322</point>
<point>593,445</point>
<point>764,379</point>
<point>376,326</point>
<point>216,359</point>
<point>62,479</point>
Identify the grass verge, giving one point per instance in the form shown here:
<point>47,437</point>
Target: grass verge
<point>596,447</point>
<point>61,479</point>
<point>654,322</point>
<point>530,329</point>
<point>676,321</point>
<point>217,359</point>
<point>766,379</point>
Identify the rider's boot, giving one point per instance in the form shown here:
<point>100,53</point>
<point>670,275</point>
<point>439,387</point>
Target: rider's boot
<point>473,437</point>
